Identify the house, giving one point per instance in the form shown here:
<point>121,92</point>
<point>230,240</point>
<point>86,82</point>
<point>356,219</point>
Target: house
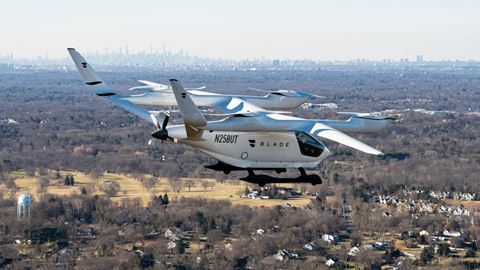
<point>329,238</point>
<point>139,252</point>
<point>174,234</point>
<point>171,245</point>
<point>423,233</point>
<point>451,234</point>
<point>285,254</point>
<point>311,106</point>
<point>331,262</point>
<point>439,238</point>
<point>260,231</point>
<point>252,195</point>
<point>379,245</point>
<point>311,246</point>
<point>334,262</point>
<point>353,251</point>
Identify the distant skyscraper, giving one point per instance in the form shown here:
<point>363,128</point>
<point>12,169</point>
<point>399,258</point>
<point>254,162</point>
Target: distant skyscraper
<point>419,58</point>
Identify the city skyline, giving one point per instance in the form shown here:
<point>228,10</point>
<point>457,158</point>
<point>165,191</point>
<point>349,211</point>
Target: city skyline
<point>318,30</point>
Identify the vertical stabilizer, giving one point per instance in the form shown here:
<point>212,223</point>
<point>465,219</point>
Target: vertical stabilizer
<point>192,116</point>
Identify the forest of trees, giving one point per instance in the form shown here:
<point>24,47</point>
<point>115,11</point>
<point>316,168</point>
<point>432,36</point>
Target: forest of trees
<point>61,126</point>
<point>209,225</point>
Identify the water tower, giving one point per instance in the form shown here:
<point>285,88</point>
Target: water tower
<point>23,206</point>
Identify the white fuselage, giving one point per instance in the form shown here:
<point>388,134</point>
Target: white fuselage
<point>253,149</point>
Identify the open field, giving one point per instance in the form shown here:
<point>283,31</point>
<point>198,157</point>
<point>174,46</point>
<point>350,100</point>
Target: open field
<point>131,188</point>
<point>466,204</point>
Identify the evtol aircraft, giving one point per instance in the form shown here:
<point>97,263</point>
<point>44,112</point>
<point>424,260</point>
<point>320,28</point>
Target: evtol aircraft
<point>251,138</point>
<point>162,95</point>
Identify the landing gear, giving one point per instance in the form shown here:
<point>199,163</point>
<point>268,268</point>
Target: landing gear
<point>262,180</point>
<point>227,168</point>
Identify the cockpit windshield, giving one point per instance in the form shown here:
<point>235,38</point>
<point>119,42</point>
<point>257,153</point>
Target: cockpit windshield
<point>309,146</point>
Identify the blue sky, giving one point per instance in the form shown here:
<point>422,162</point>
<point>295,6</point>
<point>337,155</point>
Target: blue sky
<point>373,29</point>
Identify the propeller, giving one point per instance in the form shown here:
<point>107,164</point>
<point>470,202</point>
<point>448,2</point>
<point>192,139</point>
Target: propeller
<point>161,133</point>
<point>287,93</point>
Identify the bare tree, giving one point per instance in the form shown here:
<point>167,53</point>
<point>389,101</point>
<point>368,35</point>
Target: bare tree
<point>205,185</point>
<point>42,184</point>
<point>189,184</point>
<point>149,183</point>
<point>111,188</point>
<point>211,184</point>
<point>96,173</point>
<point>176,184</point>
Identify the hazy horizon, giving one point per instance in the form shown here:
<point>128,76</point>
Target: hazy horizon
<point>318,30</point>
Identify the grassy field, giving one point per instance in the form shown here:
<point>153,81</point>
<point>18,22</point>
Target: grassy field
<point>466,204</point>
<point>131,188</point>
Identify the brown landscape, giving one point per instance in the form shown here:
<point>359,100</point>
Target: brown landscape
<point>103,197</point>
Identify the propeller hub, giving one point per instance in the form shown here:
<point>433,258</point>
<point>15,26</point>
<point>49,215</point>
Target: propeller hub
<point>161,134</point>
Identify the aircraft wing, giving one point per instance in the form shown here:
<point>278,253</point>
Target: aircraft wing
<point>235,105</point>
<point>319,129</point>
<point>99,87</point>
<point>225,103</point>
<point>327,132</point>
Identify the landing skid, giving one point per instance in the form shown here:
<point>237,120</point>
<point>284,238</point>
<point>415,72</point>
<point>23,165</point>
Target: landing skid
<point>262,179</point>
<point>227,168</point>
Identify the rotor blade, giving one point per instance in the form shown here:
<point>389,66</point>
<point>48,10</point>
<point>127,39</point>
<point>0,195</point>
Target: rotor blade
<point>155,120</point>
<point>165,121</point>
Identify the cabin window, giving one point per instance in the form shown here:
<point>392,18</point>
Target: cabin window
<point>309,146</point>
